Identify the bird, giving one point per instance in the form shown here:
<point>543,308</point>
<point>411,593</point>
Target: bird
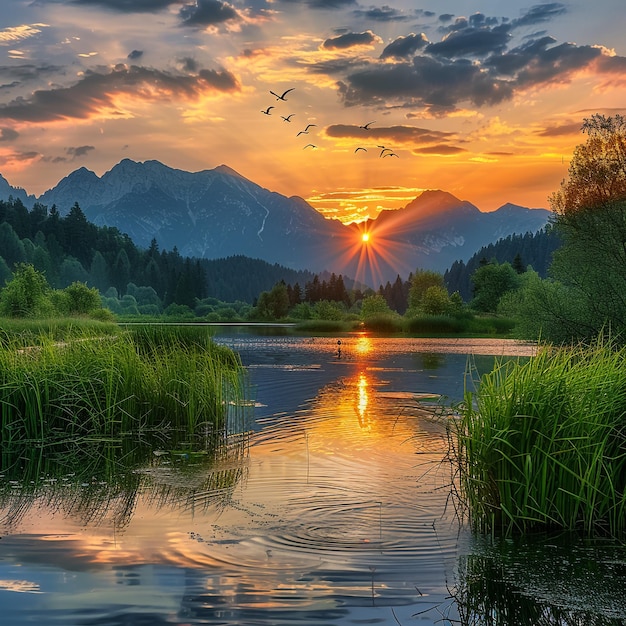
<point>306,130</point>
<point>282,97</point>
<point>309,145</point>
<point>267,111</point>
<point>390,154</point>
<point>288,118</point>
<point>359,148</point>
<point>382,152</point>
<point>367,126</point>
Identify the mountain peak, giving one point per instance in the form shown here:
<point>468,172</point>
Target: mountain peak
<point>228,171</point>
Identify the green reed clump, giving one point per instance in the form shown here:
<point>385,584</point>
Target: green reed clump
<point>115,385</point>
<point>542,443</point>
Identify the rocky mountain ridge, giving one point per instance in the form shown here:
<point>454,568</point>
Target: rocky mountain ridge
<point>218,213</point>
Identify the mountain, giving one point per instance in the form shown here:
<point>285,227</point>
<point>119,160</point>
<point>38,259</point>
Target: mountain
<point>17,193</point>
<point>209,214</point>
<point>436,229</point>
<point>219,213</point>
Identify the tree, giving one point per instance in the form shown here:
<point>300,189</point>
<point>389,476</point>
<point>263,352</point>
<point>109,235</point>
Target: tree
<point>422,280</point>
<point>26,294</point>
<point>590,209</point>
<point>374,305</point>
<point>436,301</point>
<point>491,282</point>
<point>81,299</point>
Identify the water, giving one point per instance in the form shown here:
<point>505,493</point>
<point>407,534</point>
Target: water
<point>334,509</point>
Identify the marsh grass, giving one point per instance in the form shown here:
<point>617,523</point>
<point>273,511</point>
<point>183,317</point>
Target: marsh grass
<point>164,378</point>
<point>542,443</point>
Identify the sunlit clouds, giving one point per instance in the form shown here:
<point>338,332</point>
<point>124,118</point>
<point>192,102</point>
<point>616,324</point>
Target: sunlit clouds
<point>401,97</point>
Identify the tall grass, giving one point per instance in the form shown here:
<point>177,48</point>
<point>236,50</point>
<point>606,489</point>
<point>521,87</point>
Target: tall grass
<point>542,443</point>
<point>105,387</point>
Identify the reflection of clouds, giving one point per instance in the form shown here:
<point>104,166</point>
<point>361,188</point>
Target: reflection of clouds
<point>20,586</point>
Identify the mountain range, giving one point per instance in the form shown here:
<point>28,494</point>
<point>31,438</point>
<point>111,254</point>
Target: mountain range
<point>219,213</point>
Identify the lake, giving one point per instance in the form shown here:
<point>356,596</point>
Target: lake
<point>332,506</point>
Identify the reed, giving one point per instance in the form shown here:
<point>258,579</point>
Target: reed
<point>163,378</point>
<point>541,444</point>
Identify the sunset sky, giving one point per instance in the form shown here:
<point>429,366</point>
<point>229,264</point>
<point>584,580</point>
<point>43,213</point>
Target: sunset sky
<point>483,99</point>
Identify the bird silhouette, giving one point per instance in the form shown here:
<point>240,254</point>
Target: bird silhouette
<point>367,126</point>
<point>282,96</point>
<point>288,118</point>
<point>390,154</point>
<point>306,130</point>
<point>382,152</point>
<point>359,148</point>
<point>267,111</point>
<point>309,145</point>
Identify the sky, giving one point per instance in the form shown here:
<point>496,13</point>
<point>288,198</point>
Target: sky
<point>483,99</point>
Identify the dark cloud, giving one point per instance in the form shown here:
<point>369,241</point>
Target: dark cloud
<point>382,14</point>
<point>135,54</point>
<point>208,13</point>
<point>189,65</point>
<point>540,13</point>
<point>404,47</point>
<point>8,134</point>
<point>321,4</point>
<point>446,17</point>
<point>471,42</point>
<point>398,134</point>
<point>440,149</point>
<point>18,156</point>
<point>96,91</point>
<point>79,151</point>
<point>429,82</point>
<point>128,6</point>
<point>350,40</point>
<point>28,72</point>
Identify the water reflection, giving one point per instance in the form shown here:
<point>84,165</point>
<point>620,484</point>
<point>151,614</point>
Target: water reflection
<point>334,510</point>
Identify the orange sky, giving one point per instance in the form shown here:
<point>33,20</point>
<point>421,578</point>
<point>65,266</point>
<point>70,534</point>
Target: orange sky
<point>480,99</point>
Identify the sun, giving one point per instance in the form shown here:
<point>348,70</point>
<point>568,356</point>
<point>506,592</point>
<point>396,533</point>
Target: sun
<point>365,237</point>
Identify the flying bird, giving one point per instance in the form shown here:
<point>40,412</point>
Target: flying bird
<point>309,145</point>
<point>306,130</point>
<point>382,152</point>
<point>267,111</point>
<point>390,154</point>
<point>288,118</point>
<point>282,97</point>
<point>359,148</point>
<point>367,126</point>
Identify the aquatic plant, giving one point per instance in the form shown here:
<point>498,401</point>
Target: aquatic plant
<point>542,443</point>
<point>93,387</point>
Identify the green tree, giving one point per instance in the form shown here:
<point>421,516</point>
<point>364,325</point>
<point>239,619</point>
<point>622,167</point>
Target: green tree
<point>11,248</point>
<point>26,294</point>
<point>374,305</point>
<point>422,280</point>
<point>80,299</point>
<point>436,301</point>
<point>274,304</point>
<point>491,282</point>
<point>590,209</point>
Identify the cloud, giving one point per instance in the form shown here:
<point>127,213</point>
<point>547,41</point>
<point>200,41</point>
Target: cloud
<point>96,92</point>
<point>13,34</point>
<point>439,150</point>
<point>28,72</point>
<point>470,41</point>
<point>426,81</point>
<point>18,156</point>
<point>8,134</point>
<point>79,151</point>
<point>396,134</point>
<point>127,6</point>
<point>446,17</point>
<point>321,4</point>
<point>404,47</point>
<point>381,14</point>
<point>208,13</point>
<point>540,13</point>
<point>350,40</point>
<point>135,54</point>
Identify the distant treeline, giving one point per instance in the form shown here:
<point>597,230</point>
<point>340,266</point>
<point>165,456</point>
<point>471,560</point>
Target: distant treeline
<point>521,251</point>
<point>70,248</point>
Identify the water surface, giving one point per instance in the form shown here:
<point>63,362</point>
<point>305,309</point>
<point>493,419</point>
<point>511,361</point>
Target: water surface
<point>334,508</point>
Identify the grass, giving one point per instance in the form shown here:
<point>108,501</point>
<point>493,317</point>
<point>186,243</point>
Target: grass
<point>165,378</point>
<point>541,445</point>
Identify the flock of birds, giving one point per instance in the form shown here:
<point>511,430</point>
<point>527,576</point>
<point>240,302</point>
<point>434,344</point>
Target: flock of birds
<point>384,151</point>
